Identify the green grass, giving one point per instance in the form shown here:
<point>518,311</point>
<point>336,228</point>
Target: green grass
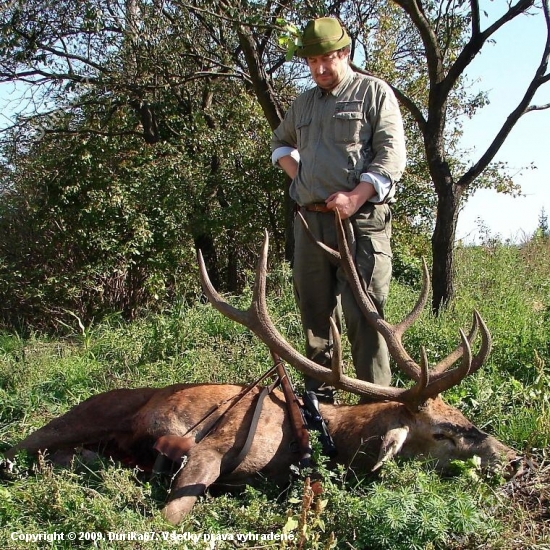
<point>406,506</point>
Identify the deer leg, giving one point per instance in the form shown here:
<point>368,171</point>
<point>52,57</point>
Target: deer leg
<point>202,469</point>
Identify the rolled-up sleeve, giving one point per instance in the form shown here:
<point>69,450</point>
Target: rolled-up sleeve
<point>281,152</point>
<point>381,184</point>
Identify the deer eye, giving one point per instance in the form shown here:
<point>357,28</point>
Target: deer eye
<point>439,436</point>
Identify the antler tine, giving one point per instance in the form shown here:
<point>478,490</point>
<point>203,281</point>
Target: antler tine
<point>415,312</point>
<point>441,379</point>
<point>455,355</point>
<point>336,363</point>
<point>425,371</point>
<point>448,379</point>
<point>475,362</point>
<point>391,334</point>
<point>215,299</point>
<point>256,318</point>
<point>333,255</point>
<point>486,344</point>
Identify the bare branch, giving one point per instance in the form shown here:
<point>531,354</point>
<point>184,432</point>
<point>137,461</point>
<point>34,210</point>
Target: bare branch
<point>522,108</point>
<point>64,54</point>
<point>538,107</point>
<point>476,42</point>
<point>433,54</point>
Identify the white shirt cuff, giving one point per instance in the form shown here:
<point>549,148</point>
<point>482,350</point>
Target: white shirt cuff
<point>381,184</point>
<point>281,152</point>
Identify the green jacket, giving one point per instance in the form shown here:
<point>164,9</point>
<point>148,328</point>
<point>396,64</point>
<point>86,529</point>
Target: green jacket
<point>354,129</point>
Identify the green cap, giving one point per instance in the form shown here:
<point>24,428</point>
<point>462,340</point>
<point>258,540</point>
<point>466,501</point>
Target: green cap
<point>322,36</point>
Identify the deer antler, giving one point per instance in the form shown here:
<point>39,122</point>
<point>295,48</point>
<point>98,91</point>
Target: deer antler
<point>427,383</point>
<point>440,378</point>
<point>257,319</point>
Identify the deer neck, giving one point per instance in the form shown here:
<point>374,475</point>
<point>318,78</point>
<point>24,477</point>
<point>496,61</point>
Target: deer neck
<point>357,430</point>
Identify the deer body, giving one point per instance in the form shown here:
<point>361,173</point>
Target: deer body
<point>127,423</point>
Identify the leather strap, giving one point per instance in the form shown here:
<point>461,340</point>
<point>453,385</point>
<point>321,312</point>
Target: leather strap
<point>316,207</point>
<point>251,429</point>
<point>176,447</point>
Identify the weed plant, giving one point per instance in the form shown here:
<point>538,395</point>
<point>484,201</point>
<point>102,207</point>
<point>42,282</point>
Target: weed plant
<point>405,506</point>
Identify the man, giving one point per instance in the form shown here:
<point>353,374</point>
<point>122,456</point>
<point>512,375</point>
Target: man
<point>343,146</point>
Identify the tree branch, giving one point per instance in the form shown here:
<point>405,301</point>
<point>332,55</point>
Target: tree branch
<point>523,107</point>
<point>62,54</point>
<point>476,23</point>
<point>404,99</point>
<point>260,82</point>
<point>433,54</point>
<point>477,40</point>
<point>45,77</point>
<point>90,131</point>
<point>538,107</point>
<point>411,106</point>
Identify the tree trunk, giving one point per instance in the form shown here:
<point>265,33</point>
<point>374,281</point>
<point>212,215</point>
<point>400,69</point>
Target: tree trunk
<point>443,239</point>
<point>290,211</point>
<point>261,82</point>
<point>232,277</point>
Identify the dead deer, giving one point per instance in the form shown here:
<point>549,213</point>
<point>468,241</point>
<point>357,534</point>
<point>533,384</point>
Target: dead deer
<point>207,427</point>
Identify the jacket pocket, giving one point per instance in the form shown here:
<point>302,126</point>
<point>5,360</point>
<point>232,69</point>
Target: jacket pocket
<point>302,133</point>
<point>347,126</point>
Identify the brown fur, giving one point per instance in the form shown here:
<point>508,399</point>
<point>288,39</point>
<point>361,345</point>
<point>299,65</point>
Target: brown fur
<point>127,422</point>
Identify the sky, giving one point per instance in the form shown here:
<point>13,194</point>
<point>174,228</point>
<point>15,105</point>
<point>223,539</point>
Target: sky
<point>504,69</point>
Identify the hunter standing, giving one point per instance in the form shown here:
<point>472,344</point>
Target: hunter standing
<point>342,144</point>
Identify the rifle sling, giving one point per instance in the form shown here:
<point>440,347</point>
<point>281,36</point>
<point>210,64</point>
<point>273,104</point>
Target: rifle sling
<point>252,428</point>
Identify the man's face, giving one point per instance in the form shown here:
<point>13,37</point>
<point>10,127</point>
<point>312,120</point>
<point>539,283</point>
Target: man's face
<point>329,69</point>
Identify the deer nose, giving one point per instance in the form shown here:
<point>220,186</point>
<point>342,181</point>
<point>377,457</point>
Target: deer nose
<point>517,467</point>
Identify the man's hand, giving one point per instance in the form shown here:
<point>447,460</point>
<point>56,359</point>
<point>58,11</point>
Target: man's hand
<point>348,202</point>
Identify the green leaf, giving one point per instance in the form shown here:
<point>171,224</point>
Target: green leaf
<point>290,525</point>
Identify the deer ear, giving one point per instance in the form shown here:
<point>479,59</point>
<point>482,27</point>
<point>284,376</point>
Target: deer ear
<point>391,445</point>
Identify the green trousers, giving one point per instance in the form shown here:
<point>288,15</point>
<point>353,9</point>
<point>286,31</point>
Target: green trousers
<point>322,291</point>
